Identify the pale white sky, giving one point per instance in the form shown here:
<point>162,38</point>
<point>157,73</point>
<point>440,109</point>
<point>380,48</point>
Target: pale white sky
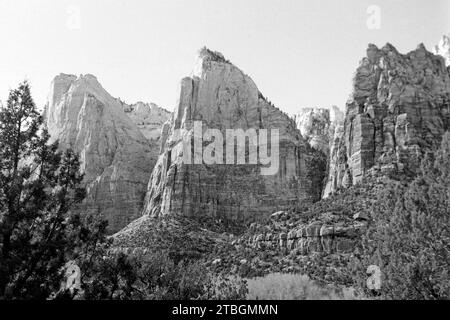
<point>299,53</point>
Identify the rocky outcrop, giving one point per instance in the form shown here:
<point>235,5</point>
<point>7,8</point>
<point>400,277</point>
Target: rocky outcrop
<point>443,49</point>
<point>116,158</point>
<point>314,125</point>
<point>331,234</point>
<point>178,236</point>
<point>222,97</point>
<point>148,117</point>
<point>398,110</point>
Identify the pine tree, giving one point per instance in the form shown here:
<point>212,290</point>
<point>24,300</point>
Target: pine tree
<point>409,238</point>
<point>40,233</point>
<point>38,186</point>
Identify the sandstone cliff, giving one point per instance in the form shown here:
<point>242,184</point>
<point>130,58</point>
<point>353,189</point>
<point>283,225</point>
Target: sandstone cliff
<point>314,125</point>
<point>117,159</point>
<point>443,49</point>
<point>148,117</point>
<point>223,97</point>
<point>399,109</point>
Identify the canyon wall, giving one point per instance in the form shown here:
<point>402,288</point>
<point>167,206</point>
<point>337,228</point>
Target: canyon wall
<point>149,118</point>
<point>398,110</point>
<point>317,126</point>
<point>116,158</point>
<point>314,125</point>
<point>222,97</point>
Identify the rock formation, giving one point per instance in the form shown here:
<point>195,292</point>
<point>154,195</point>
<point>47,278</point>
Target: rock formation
<point>314,125</point>
<point>329,234</point>
<point>223,97</point>
<point>148,117</point>
<point>398,110</point>
<point>117,159</point>
<point>336,116</point>
<point>443,49</point>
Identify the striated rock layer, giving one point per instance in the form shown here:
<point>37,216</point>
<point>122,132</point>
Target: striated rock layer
<point>315,237</point>
<point>117,159</point>
<point>399,109</point>
<point>223,97</point>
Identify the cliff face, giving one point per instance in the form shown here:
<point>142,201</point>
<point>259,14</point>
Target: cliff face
<point>443,49</point>
<point>318,126</point>
<point>314,125</point>
<point>222,97</point>
<point>117,159</point>
<point>399,109</point>
<point>148,117</point>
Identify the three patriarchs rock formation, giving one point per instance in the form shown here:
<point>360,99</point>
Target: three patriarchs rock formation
<point>398,110</point>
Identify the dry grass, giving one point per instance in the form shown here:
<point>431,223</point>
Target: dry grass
<point>277,286</point>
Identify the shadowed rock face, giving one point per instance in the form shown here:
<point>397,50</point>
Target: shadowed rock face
<point>223,97</point>
<point>398,110</point>
<point>117,159</point>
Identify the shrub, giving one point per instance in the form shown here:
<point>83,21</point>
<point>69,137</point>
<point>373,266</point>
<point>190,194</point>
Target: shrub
<point>155,276</point>
<point>410,236</point>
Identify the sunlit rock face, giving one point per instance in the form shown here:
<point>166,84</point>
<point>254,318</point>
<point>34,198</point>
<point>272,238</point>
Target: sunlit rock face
<point>399,109</point>
<point>443,49</point>
<point>314,125</point>
<point>149,118</point>
<point>336,116</point>
<point>222,97</point>
<point>116,158</point>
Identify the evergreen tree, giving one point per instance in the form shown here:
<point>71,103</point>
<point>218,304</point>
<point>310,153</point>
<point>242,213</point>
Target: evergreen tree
<point>40,235</point>
<point>38,185</point>
<point>409,238</point>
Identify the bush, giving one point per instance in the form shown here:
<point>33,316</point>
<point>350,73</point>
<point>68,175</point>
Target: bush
<point>155,276</point>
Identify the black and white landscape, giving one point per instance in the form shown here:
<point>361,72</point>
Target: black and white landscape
<point>225,194</point>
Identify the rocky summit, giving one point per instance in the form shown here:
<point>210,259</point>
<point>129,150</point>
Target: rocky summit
<point>117,159</point>
<point>398,110</point>
<point>222,97</point>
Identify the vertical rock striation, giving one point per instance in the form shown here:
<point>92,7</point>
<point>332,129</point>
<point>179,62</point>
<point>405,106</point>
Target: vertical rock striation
<point>223,97</point>
<point>398,110</point>
<point>117,159</point>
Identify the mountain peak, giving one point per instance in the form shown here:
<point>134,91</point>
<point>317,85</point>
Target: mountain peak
<point>389,47</point>
<point>210,55</point>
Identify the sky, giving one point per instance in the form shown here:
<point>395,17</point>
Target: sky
<point>299,53</point>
